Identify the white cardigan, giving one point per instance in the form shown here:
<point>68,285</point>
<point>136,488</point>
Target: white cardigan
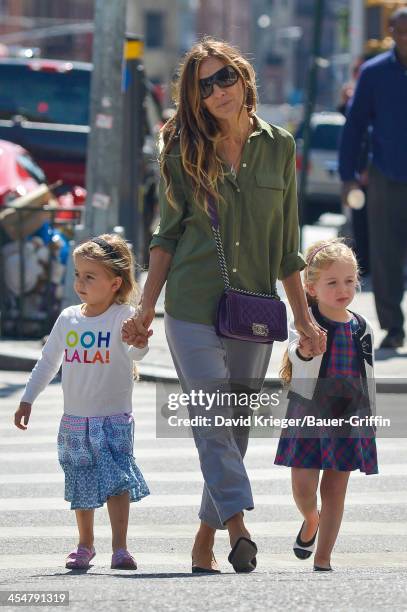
<point>305,372</point>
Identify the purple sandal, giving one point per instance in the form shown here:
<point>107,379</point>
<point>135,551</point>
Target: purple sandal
<point>80,558</point>
<point>122,559</point>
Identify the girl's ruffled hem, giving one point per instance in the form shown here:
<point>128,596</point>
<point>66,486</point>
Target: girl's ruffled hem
<point>90,487</point>
<point>338,468</point>
<point>340,454</point>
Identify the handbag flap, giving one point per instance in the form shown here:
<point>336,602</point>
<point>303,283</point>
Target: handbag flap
<point>256,316</point>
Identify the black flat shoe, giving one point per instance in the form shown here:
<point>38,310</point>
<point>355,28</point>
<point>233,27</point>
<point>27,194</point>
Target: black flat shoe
<point>204,570</point>
<point>303,550</point>
<point>318,568</point>
<point>243,555</point>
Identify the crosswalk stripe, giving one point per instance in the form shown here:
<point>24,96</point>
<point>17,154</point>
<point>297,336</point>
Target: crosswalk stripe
<point>44,423</point>
<point>271,529</point>
<point>56,412</point>
<point>255,474</point>
<point>31,437</point>
<point>266,561</point>
<point>391,498</point>
<point>255,450</point>
<point>141,453</point>
<point>28,439</point>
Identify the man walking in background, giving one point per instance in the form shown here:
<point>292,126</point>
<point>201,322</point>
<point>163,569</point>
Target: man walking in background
<point>380,102</point>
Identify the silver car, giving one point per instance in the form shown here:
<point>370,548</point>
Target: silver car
<point>323,192</point>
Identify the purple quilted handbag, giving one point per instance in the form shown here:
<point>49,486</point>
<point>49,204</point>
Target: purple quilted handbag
<point>246,315</point>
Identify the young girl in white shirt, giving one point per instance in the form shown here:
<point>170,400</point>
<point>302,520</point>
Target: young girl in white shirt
<point>338,384</point>
<point>95,439</point>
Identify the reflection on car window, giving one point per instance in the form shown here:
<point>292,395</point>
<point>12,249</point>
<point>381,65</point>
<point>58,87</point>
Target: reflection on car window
<point>31,167</point>
<point>326,137</point>
<point>50,97</point>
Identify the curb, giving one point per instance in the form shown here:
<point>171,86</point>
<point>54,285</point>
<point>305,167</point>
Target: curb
<point>18,363</point>
<point>15,363</point>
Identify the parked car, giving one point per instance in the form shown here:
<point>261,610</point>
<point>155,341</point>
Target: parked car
<point>323,192</point>
<point>44,107</point>
<point>20,175</point>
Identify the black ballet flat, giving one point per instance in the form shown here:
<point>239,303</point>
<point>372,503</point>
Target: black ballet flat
<point>303,550</point>
<point>243,555</point>
<point>318,568</point>
<point>204,570</point>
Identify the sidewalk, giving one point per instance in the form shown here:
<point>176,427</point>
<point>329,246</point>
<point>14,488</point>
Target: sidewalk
<point>157,366</point>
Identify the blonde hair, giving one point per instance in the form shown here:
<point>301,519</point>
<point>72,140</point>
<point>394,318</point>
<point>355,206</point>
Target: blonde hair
<point>121,264</point>
<point>193,126</point>
<point>319,256</point>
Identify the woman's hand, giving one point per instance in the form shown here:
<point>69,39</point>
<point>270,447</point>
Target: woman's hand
<point>302,320</point>
<point>22,414</point>
<point>135,331</point>
<point>315,334</point>
<point>305,348</point>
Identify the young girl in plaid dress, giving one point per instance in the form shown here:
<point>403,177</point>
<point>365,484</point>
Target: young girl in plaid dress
<point>336,385</point>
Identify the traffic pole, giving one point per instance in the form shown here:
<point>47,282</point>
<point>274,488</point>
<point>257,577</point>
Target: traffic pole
<point>105,149</point>
<point>356,29</point>
<point>104,156</point>
<point>309,106</point>
<point>134,122</point>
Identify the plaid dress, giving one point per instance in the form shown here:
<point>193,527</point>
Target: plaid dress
<point>337,453</point>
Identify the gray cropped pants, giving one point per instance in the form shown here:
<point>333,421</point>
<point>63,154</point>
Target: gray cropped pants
<point>206,361</point>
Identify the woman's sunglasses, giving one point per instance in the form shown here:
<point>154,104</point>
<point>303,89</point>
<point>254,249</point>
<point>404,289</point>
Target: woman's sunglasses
<point>225,77</point>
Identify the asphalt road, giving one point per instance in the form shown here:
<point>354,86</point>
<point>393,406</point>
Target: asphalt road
<point>37,529</point>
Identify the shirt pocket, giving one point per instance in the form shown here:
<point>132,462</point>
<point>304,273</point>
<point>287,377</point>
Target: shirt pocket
<point>269,193</point>
<point>269,181</point>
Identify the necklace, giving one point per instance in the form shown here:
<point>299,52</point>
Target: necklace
<point>235,162</point>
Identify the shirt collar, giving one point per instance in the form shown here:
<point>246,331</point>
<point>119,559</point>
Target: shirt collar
<point>394,59</point>
<point>262,126</point>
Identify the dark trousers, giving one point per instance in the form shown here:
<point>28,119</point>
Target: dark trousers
<point>361,238</point>
<point>387,222</point>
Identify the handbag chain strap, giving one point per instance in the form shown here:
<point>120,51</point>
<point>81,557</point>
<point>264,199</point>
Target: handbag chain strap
<point>222,260</point>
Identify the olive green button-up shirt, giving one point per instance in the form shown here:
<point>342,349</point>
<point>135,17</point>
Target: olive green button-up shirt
<point>258,224</point>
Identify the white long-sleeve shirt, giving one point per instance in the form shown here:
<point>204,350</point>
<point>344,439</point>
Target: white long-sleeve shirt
<point>97,367</point>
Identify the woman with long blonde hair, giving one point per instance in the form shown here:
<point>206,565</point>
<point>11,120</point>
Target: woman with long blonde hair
<point>216,149</point>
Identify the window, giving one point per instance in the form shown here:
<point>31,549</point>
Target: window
<point>49,97</point>
<point>26,162</point>
<point>324,136</point>
<point>154,29</point>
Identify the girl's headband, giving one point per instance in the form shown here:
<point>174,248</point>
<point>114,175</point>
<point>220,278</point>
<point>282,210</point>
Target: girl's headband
<point>315,251</point>
<point>106,247</point>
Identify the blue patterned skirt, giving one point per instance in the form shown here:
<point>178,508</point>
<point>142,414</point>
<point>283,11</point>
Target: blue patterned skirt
<point>96,454</point>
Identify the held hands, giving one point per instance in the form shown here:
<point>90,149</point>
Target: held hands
<point>312,339</point>
<point>305,348</point>
<point>22,414</point>
<point>135,331</point>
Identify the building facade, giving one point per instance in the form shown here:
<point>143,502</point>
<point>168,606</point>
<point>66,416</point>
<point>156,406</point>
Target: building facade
<point>60,30</point>
<point>230,20</point>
